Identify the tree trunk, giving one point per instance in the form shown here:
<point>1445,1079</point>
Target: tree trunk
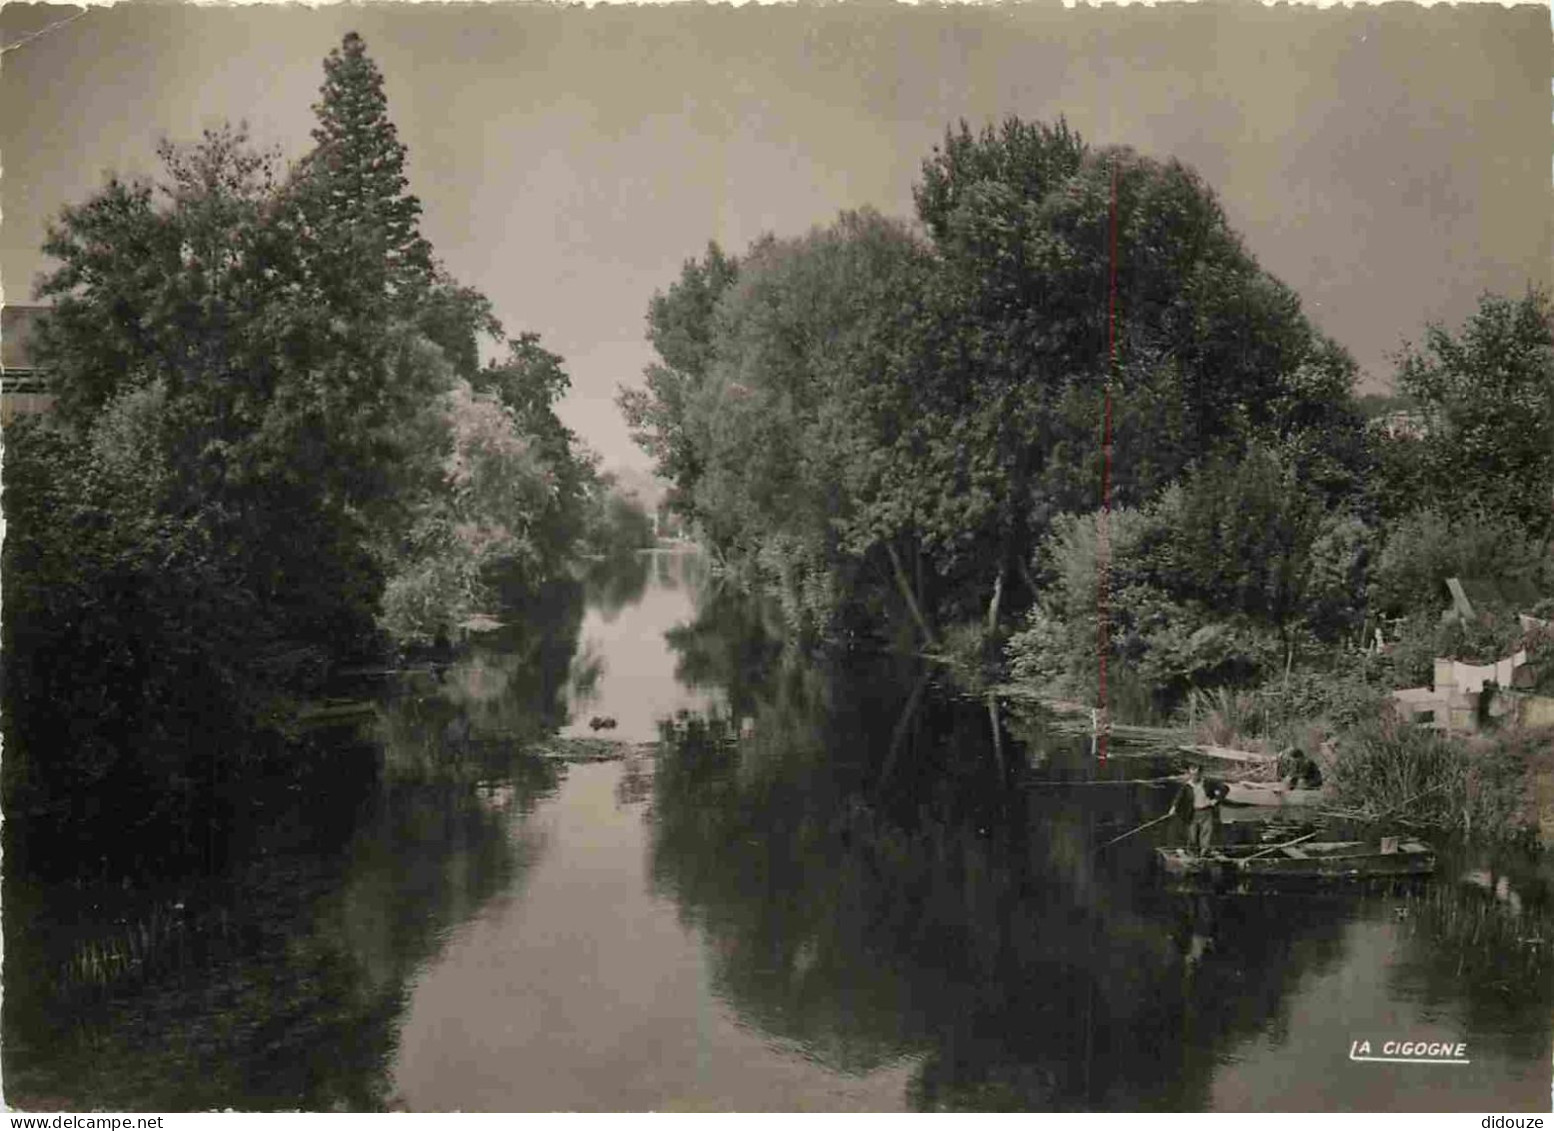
<point>1025,576</point>
<point>998,742</point>
<point>906,592</point>
<point>992,606</point>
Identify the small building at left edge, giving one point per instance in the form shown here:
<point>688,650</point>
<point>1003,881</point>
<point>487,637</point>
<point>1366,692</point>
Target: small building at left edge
<point>23,388</point>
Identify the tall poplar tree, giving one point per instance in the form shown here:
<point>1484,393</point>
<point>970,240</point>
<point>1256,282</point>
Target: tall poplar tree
<point>358,212</point>
<point>682,331</point>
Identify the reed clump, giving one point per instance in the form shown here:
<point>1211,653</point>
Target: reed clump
<point>1241,720</point>
<point>1223,716</point>
<point>1389,769</point>
<point>1496,934</point>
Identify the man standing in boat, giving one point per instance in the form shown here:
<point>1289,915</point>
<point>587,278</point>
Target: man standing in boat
<point>1198,804</point>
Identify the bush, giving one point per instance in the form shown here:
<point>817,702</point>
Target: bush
<point>1169,641</point>
<point>1489,637</point>
<point>1427,547</point>
<point>493,494</point>
<point>1345,696</point>
<point>1301,710</point>
<point>1176,647</point>
<point>1209,583</point>
<point>137,666</point>
<point>426,601</point>
<point>1040,654</point>
<point>794,571</point>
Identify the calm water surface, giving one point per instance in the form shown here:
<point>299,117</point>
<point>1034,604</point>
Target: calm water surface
<point>829,888</point>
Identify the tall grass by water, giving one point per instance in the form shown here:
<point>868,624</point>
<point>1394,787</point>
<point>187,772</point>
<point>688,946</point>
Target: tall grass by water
<point>1391,769</point>
<point>1224,716</point>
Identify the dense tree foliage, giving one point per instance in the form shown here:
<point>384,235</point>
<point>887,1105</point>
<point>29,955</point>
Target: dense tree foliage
<point>1426,547</point>
<point>1486,400</point>
<point>276,449</point>
<point>1216,580</point>
<point>1214,355</point>
<point>528,383</point>
<point>680,327</point>
<point>897,427</point>
<point>359,225</point>
<point>890,423</point>
<point>800,405</point>
<point>1255,568</point>
<point>1464,483</point>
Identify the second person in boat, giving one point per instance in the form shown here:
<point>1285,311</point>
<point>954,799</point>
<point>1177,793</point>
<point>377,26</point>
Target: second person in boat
<point>1300,771</point>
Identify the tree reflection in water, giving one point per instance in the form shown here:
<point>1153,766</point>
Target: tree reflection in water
<point>952,917</point>
<point>870,884</point>
<point>618,581</point>
<point>871,887</point>
<point>278,982</point>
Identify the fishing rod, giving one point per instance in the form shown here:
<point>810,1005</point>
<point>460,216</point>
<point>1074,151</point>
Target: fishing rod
<point>1140,829</point>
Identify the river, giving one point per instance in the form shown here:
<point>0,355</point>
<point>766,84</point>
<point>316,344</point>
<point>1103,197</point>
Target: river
<point>828,887</point>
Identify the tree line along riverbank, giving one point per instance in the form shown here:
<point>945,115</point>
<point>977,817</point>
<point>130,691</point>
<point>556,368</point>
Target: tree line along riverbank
<point>286,443</point>
<point>895,426</point>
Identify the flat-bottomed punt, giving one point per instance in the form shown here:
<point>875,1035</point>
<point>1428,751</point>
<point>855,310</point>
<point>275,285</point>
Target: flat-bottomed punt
<point>1329,860</point>
<point>1270,794</point>
<point>1229,754</point>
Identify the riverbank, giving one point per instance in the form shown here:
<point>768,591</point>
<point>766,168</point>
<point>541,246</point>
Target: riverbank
<point>1496,786</point>
<point>1540,789</point>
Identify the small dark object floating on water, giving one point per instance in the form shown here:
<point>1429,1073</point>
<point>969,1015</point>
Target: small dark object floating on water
<point>1330,860</point>
<point>605,723</point>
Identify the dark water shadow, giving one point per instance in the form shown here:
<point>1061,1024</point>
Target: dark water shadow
<point>276,978</point>
<point>875,883</point>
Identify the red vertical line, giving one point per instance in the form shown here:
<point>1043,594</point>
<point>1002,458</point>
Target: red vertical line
<point>1103,541</point>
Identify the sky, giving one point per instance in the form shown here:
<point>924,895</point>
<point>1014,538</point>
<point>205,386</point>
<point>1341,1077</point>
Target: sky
<point>1390,163</point>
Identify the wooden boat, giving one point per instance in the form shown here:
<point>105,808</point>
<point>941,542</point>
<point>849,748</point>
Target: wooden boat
<point>1294,817</point>
<point>1227,754</point>
<point>1271,794</point>
<point>1331,860</point>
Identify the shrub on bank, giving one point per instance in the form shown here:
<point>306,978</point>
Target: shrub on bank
<point>1425,548</point>
<point>1301,708</point>
<point>1393,769</point>
<point>1490,636</point>
<point>1353,690</point>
